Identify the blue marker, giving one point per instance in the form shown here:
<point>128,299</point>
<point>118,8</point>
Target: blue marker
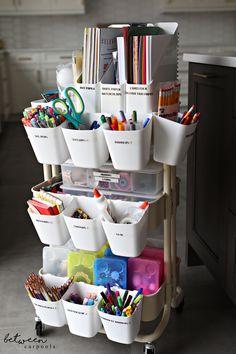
<point>140,290</point>
<point>145,123</point>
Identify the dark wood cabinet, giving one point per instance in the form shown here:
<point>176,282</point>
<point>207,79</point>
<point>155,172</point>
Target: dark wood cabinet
<point>211,176</point>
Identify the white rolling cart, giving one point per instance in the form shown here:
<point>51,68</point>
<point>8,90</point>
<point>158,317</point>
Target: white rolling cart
<point>170,295</point>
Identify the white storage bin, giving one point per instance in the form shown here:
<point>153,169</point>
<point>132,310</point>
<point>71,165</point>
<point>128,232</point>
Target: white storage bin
<point>52,229</point>
<point>88,93</point>
<point>138,97</point>
<point>51,312</point>
<point>110,97</point>
<point>130,150</point>
<point>122,329</point>
<point>127,240</point>
<point>82,320</point>
<point>87,148</point>
<point>86,234</point>
<point>48,144</point>
<point>171,140</point>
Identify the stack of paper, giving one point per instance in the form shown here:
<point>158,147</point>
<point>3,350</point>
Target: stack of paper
<point>135,53</point>
<point>99,44</point>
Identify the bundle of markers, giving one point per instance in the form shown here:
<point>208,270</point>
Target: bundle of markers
<point>89,300</point>
<point>188,117</point>
<point>41,117</point>
<point>113,123</point>
<point>114,304</point>
<point>37,288</point>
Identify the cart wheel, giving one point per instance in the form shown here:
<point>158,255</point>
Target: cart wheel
<point>180,308</point>
<point>39,328</point>
<point>149,348</point>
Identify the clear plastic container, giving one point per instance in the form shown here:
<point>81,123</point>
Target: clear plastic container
<point>147,181</point>
<point>112,270</point>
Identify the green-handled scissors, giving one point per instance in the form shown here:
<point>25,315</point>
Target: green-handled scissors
<point>69,109</point>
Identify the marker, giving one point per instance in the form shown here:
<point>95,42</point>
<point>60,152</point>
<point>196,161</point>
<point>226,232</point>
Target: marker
<point>104,297</point>
<point>128,301</point>
<point>94,125</point>
<point>134,116</point>
<point>125,296</point>
<point>114,123</point>
<point>120,303</point>
<point>137,299</point>
<point>121,126</point>
<point>145,123</point>
<point>118,312</point>
<point>104,123</point>
<point>140,290</point>
<point>123,118</point>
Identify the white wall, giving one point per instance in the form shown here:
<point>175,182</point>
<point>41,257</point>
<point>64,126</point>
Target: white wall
<point>66,31</point>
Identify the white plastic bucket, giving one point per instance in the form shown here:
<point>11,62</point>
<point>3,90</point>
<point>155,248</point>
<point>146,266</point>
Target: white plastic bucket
<point>82,320</point>
<point>87,148</point>
<point>86,234</point>
<point>122,329</point>
<point>51,312</point>
<point>127,240</point>
<point>130,150</point>
<point>52,229</point>
<point>48,144</point>
<point>171,140</point>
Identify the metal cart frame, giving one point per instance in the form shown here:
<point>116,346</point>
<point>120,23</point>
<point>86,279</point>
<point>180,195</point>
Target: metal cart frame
<point>174,295</point>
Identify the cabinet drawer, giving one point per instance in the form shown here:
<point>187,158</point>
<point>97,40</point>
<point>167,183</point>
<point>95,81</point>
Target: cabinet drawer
<point>25,58</point>
<point>58,57</point>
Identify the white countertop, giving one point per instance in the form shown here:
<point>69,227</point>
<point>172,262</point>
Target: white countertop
<point>224,59</point>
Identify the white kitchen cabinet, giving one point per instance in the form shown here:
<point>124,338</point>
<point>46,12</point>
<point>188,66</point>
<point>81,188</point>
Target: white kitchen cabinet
<point>31,73</point>
<point>172,6</point>
<point>42,7</point>
<point>31,6</point>
<point>25,86</point>
<point>7,6</point>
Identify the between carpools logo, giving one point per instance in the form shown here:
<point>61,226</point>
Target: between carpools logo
<point>27,342</point>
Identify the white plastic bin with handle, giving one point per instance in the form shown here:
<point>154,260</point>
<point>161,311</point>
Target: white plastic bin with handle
<point>127,240</point>
<point>51,312</point>
<point>171,140</point>
<point>130,150</point>
<point>86,234</point>
<point>48,144</point>
<point>82,320</point>
<point>122,329</point>
<point>52,229</point>
<point>88,148</point>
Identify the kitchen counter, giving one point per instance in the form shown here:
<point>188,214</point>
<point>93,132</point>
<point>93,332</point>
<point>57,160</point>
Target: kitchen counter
<point>225,59</point>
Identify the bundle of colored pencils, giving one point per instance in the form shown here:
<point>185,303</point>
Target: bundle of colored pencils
<point>37,288</point>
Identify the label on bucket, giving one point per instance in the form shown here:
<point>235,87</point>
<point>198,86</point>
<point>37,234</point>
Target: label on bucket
<point>78,312</point>
<point>46,307</point>
<point>44,221</point>
<point>116,321</point>
<point>41,136</point>
<point>81,227</point>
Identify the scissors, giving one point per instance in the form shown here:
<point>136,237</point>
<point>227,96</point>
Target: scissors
<point>70,110</point>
